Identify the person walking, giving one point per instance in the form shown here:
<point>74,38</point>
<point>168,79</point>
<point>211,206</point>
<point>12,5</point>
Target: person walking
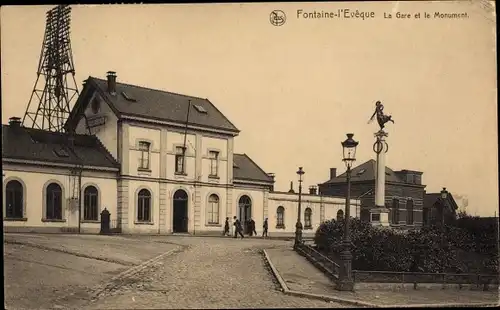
<point>265,226</point>
<point>237,228</point>
<point>226,228</point>
<point>252,227</point>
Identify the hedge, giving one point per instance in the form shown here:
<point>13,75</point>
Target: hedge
<point>452,249</point>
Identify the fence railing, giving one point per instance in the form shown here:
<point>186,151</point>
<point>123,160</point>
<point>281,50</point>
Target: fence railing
<point>331,268</point>
<point>314,256</point>
<point>423,277</point>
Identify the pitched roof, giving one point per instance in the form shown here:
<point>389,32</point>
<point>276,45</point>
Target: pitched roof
<point>40,145</point>
<point>160,105</point>
<point>244,168</point>
<point>430,200</point>
<point>366,172</point>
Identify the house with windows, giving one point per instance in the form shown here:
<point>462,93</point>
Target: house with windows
<point>315,209</point>
<point>404,192</point>
<point>439,209</point>
<point>45,174</point>
<point>159,162</point>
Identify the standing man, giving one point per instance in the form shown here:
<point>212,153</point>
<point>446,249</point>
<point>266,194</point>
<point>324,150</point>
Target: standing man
<point>252,227</point>
<point>237,228</point>
<point>265,226</point>
<point>226,228</point>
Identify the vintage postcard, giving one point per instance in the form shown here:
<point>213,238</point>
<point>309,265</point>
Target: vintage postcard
<point>250,155</point>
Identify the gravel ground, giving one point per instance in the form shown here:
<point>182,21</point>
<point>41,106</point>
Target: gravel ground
<point>34,278</point>
<point>43,271</point>
<point>213,273</point>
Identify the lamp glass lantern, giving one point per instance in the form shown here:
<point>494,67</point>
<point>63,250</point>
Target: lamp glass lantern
<point>349,148</point>
<point>300,172</point>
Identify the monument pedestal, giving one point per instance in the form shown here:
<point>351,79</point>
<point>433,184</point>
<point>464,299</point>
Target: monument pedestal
<point>379,216</point>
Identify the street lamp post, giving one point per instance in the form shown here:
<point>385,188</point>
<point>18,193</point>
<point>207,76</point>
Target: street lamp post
<point>298,225</point>
<point>444,198</point>
<point>346,282</point>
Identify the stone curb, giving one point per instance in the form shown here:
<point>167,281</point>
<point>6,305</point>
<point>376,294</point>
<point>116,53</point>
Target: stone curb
<point>278,277</point>
<point>129,272</point>
<point>444,305</point>
<point>287,291</point>
<point>144,234</point>
<point>229,237</point>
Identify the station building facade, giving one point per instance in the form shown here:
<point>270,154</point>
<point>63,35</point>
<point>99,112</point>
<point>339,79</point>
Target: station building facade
<point>159,162</point>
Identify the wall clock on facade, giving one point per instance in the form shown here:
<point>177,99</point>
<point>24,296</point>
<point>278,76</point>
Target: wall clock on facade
<point>95,105</point>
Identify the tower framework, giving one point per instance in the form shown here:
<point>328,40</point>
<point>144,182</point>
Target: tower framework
<point>55,87</point>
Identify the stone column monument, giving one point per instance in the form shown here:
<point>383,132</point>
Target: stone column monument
<point>379,215</point>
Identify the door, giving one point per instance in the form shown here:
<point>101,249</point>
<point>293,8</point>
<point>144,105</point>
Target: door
<point>245,207</point>
<point>180,212</point>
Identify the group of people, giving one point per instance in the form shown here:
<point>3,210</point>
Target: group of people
<point>238,228</point>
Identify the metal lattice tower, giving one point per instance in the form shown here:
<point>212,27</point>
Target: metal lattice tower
<point>50,101</point>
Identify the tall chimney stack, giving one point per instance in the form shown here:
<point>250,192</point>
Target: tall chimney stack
<point>333,173</point>
<point>111,75</point>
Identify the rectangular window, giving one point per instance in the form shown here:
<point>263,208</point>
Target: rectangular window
<point>418,179</point>
<point>395,211</point>
<point>214,163</point>
<point>179,159</point>
<point>144,148</point>
<point>409,212</point>
<point>410,178</point>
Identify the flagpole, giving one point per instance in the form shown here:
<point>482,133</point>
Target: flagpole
<point>185,137</point>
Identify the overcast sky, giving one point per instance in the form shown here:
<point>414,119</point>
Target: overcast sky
<point>295,90</point>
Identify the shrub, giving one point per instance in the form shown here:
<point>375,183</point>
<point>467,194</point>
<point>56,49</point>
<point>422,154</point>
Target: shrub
<point>431,249</point>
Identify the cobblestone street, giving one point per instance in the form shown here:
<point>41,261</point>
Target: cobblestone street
<point>201,273</point>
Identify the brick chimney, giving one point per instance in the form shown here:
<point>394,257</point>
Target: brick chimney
<point>291,188</point>
<point>271,175</point>
<point>111,75</point>
<point>312,190</point>
<point>15,122</point>
<point>333,173</point>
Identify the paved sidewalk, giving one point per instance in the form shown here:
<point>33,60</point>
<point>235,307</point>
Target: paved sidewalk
<point>300,275</point>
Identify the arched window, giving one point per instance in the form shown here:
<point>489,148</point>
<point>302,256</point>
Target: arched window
<point>340,215</point>
<point>90,204</point>
<point>53,206</point>
<point>307,218</point>
<point>144,206</point>
<point>14,200</point>
<point>213,209</point>
<point>409,211</point>
<point>395,211</point>
<point>280,217</point>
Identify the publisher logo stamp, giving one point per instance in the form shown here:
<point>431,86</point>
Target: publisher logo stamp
<point>277,18</point>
